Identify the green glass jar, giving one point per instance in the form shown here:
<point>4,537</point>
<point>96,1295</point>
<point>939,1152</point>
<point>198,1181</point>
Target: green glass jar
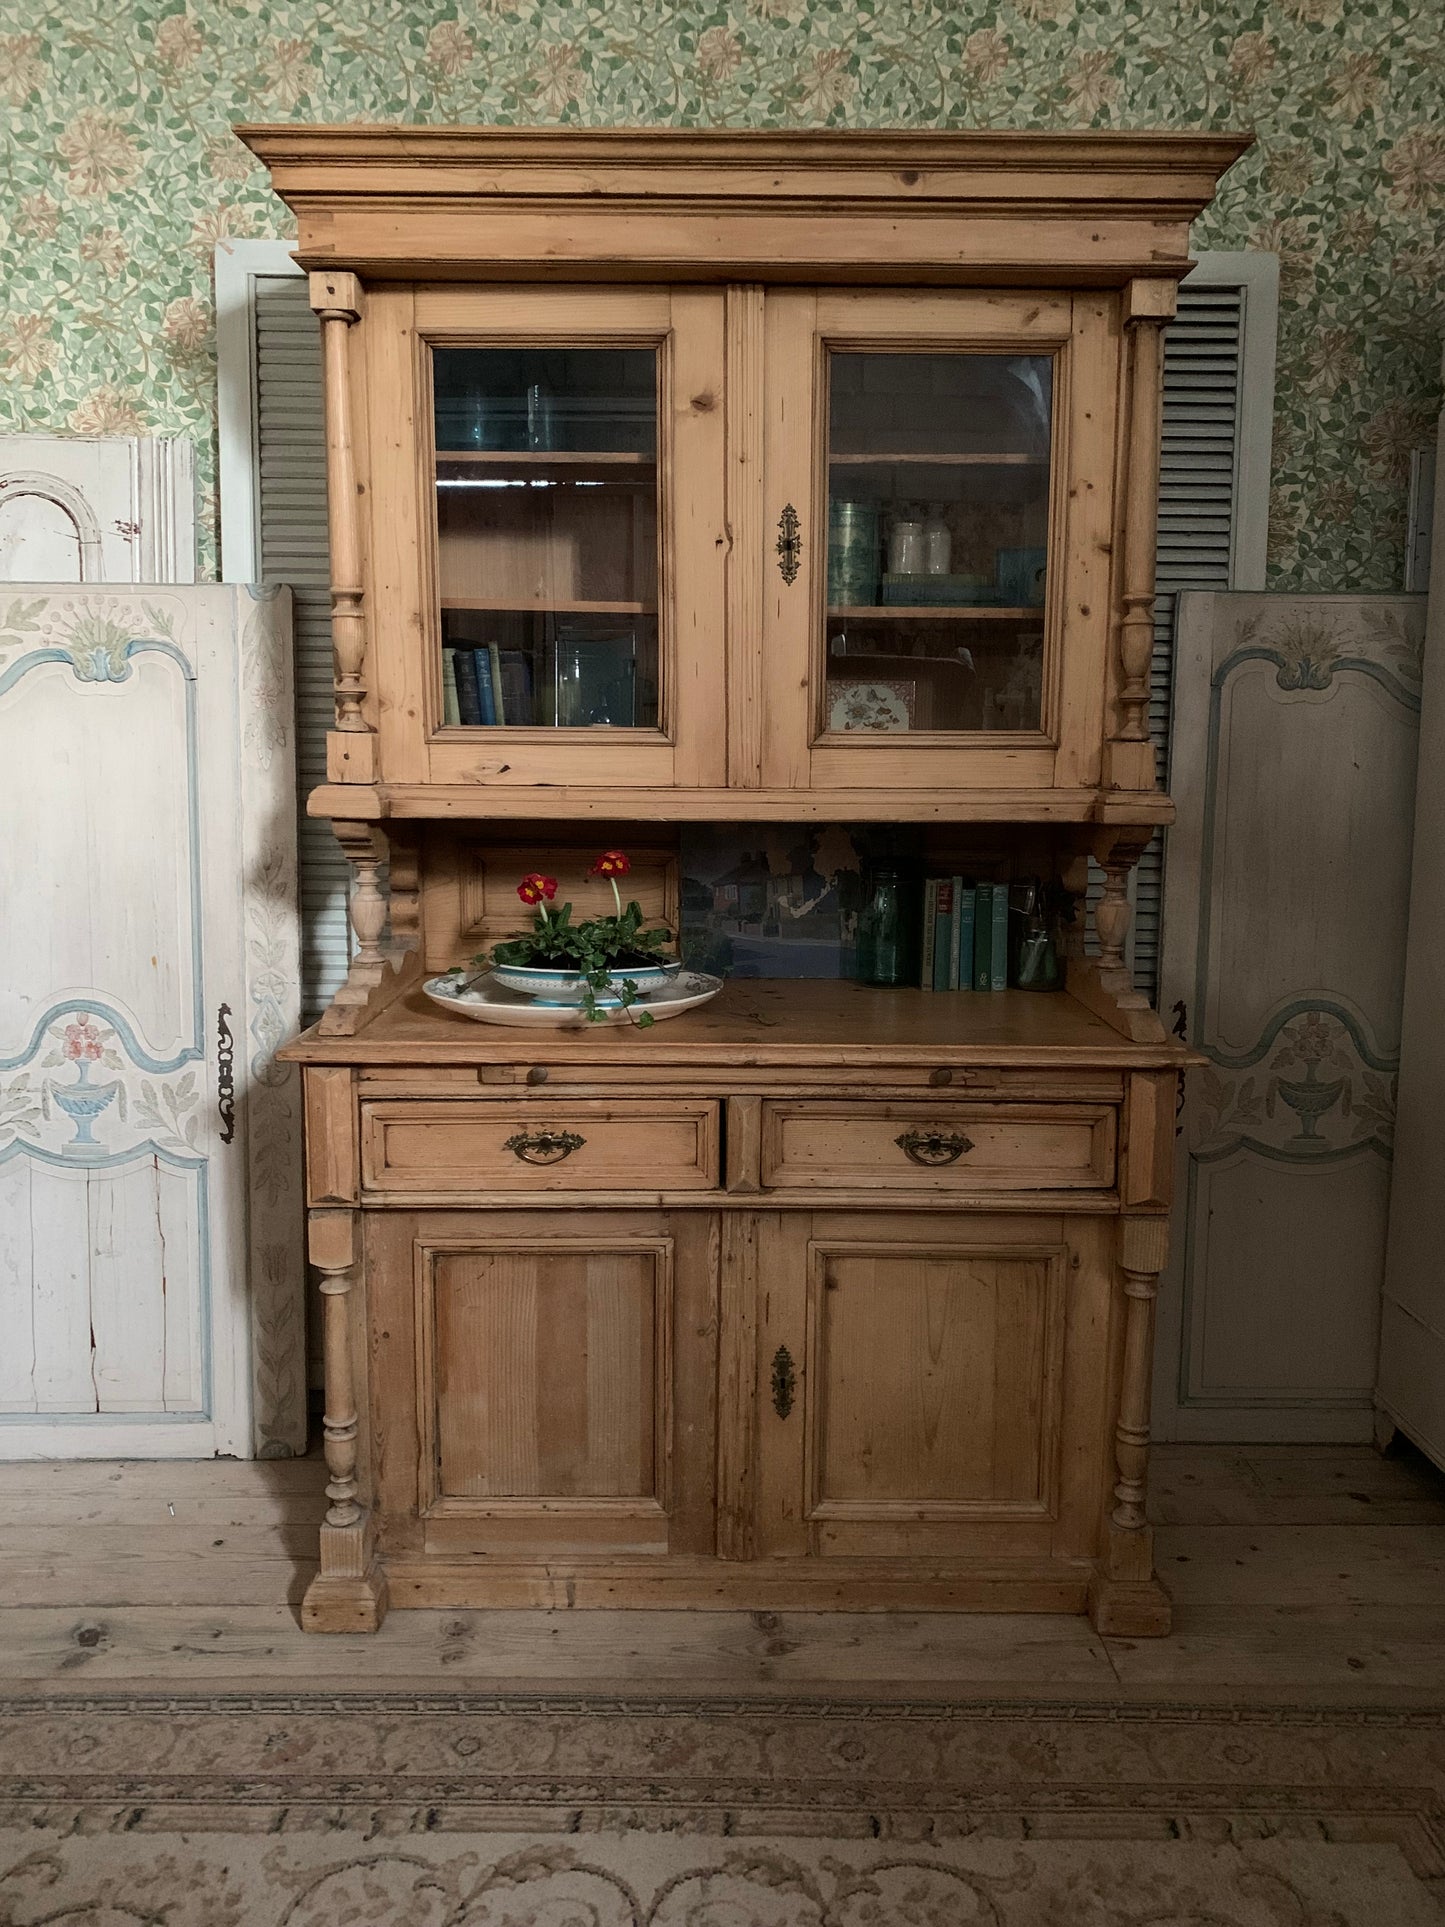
<point>888,934</point>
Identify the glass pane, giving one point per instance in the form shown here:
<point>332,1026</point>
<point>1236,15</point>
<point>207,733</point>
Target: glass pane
<point>938,511</point>
<point>546,476</point>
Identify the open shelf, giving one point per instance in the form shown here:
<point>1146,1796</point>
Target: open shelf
<point>776,1021</point>
<point>931,459</point>
<point>540,468</point>
<point>931,612</point>
<point>549,605</point>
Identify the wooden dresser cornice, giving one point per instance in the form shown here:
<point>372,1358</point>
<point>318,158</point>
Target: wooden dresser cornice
<point>946,208</point>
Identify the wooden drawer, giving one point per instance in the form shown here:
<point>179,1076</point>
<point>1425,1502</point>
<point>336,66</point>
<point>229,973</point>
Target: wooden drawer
<point>947,1147</point>
<point>415,1149</point>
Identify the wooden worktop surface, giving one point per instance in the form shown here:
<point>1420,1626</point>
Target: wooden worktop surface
<point>767,1021</point>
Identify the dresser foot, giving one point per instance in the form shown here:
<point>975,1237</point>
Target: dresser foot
<point>1129,1608</point>
<point>345,1603</point>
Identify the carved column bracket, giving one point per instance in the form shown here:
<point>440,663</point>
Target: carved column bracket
<point>337,301</point>
<point>1148,306</point>
<point>1125,1597</point>
<point>1103,983</point>
<point>349,1593</point>
<point>378,971</point>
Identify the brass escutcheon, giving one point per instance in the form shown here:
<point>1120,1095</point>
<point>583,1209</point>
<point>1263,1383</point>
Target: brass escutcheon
<point>784,1381</point>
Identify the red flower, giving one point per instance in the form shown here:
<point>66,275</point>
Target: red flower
<point>611,863</point>
<point>533,888</point>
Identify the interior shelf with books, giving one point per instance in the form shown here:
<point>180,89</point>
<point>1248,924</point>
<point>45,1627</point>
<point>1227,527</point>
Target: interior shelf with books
<point>547,537</point>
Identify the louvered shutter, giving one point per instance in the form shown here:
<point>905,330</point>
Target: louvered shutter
<point>1202,358</point>
<point>291,505</point>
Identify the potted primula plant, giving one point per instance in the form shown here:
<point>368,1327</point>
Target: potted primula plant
<point>562,962</point>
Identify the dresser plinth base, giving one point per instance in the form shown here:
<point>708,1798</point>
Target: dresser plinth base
<point>1130,1608</point>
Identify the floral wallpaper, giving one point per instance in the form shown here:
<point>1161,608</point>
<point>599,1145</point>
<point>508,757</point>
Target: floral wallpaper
<point>120,174</point>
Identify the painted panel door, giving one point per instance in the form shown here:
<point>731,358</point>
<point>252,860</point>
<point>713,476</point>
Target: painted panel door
<point>1410,1390</point>
<point>556,460</point>
<point>913,1394</point>
<point>938,497</point>
<point>563,1371</point>
<point>1296,721</point>
<point>147,973</point>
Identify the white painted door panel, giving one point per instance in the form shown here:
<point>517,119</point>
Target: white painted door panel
<point>1411,1387</point>
<point>149,1145</point>
<point>1295,743</point>
<point>96,509</point>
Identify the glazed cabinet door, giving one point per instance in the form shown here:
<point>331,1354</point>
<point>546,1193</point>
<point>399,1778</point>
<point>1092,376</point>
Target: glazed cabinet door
<point>939,505</point>
<point>545,1381</point>
<point>930,1385</point>
<point>548,534</point>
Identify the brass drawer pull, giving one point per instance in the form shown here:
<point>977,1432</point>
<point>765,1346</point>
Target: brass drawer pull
<point>934,1147</point>
<point>544,1147</point>
<point>785,1381</point>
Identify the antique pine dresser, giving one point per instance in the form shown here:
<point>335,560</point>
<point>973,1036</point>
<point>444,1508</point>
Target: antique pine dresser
<point>826,1294</point>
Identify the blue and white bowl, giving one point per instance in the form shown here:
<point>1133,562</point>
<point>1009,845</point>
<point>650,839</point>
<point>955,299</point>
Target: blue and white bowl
<point>568,987</point>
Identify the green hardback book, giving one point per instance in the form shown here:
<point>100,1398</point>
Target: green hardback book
<point>469,697</point>
<point>962,969</point>
<point>983,936</point>
<point>451,707</point>
<point>998,978</point>
<point>494,668</point>
<point>930,922</point>
<point>943,926</point>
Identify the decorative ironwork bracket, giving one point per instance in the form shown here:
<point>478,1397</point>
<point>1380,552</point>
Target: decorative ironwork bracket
<point>225,1074</point>
<point>789,544</point>
<point>785,1382</point>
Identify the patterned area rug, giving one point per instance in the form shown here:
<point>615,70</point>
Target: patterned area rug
<point>449,1810</point>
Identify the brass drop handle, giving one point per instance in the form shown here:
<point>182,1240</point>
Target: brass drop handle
<point>933,1147</point>
<point>544,1147</point>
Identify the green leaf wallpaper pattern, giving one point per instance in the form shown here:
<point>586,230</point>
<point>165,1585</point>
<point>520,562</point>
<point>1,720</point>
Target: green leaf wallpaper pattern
<point>120,173</point>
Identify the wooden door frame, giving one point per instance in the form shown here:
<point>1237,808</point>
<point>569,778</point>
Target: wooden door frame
<point>685,327</point>
<point>1083,334</point>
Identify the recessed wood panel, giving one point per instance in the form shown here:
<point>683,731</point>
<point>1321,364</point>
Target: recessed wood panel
<point>934,1379</point>
<point>548,1366</point>
<point>947,1147</point>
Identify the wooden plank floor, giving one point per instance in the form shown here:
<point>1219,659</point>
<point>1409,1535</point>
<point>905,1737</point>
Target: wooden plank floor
<point>1300,1573</point>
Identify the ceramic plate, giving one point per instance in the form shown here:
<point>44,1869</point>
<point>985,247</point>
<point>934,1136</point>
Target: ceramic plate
<point>489,1003</point>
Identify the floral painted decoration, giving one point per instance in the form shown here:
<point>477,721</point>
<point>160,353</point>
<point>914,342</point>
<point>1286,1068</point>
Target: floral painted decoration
<point>82,1040</point>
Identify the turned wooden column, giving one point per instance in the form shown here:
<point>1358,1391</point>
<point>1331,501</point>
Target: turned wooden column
<point>365,850</point>
<point>1148,306</point>
<point>1126,1597</point>
<point>350,747</point>
<point>348,1594</point>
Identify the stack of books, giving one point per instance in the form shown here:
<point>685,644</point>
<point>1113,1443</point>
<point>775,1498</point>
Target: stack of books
<point>486,685</point>
<point>965,935</point>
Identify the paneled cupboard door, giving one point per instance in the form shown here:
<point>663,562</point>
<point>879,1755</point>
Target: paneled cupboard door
<point>913,1393</point>
<point>555,458</point>
<point>563,1369</point>
<point>938,471</point>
